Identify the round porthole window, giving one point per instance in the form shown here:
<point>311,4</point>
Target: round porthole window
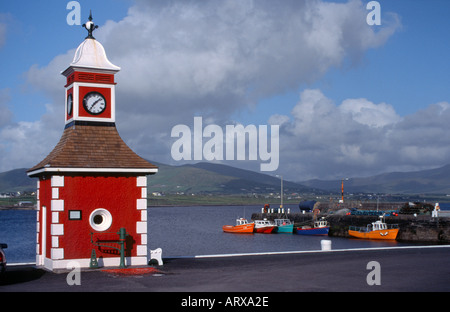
<point>100,219</point>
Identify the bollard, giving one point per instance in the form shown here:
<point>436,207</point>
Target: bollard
<point>122,236</point>
<point>93,264</point>
<point>326,244</point>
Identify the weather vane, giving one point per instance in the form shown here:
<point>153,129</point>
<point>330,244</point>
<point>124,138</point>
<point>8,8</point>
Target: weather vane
<point>90,26</point>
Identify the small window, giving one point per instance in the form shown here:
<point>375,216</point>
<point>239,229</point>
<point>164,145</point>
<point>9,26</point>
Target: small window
<point>74,214</point>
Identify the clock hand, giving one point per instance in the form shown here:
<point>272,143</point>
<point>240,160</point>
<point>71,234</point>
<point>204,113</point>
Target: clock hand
<point>95,103</point>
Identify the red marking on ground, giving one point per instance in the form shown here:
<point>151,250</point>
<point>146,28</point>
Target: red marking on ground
<point>133,271</point>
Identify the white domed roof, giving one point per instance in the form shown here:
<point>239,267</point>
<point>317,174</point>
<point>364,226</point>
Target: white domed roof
<point>90,54</point>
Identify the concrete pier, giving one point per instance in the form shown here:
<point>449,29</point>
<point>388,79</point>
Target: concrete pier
<point>401,269</point>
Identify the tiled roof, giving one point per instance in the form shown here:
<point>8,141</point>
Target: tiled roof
<point>92,146</point>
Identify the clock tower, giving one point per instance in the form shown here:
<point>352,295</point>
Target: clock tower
<point>92,188</point>
<point>90,88</point>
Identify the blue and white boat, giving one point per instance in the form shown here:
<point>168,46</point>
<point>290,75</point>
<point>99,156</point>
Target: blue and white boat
<point>320,227</point>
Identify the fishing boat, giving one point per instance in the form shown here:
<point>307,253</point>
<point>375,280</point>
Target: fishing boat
<point>284,225</point>
<point>319,227</point>
<point>242,227</point>
<point>264,226</point>
<point>376,230</point>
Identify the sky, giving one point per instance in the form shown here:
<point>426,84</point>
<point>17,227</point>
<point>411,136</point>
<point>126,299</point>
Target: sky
<point>350,99</point>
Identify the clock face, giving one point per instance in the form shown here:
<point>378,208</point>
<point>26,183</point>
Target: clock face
<point>94,103</point>
<point>69,104</point>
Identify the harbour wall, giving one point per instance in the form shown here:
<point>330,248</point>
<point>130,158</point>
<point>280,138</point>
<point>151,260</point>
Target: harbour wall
<point>421,228</point>
<point>327,206</point>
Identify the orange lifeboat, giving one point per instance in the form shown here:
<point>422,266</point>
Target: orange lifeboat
<point>377,230</point>
<point>242,227</point>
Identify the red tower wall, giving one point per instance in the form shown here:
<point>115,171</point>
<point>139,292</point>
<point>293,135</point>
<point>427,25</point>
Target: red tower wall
<point>69,239</point>
<point>118,195</point>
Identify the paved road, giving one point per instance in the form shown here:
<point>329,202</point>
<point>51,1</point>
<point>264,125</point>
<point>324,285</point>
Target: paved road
<point>400,270</point>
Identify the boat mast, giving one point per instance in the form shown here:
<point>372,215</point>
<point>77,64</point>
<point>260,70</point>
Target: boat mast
<point>281,205</point>
<point>281,191</point>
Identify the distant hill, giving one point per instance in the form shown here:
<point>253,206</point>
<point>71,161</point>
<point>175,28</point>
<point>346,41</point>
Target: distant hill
<point>432,181</point>
<point>222,179</point>
<point>172,179</point>
<point>217,178</point>
<point>199,178</point>
<point>16,180</point>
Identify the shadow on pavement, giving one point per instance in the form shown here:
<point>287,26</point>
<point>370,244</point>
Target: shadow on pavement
<point>14,275</point>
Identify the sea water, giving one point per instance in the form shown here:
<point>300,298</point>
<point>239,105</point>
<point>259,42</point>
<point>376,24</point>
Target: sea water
<point>18,231</point>
<point>184,232</point>
<point>194,231</point>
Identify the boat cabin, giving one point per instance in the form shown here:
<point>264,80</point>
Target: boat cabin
<point>320,224</point>
<point>379,225</point>
<point>241,221</point>
<point>281,222</point>
<point>264,222</point>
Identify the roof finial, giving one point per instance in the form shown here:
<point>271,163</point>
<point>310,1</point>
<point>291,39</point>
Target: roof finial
<point>90,26</point>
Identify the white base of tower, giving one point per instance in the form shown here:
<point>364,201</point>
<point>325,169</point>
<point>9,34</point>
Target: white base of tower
<point>70,264</point>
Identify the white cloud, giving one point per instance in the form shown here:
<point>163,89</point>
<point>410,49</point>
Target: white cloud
<point>368,113</point>
<point>211,58</point>
<point>359,138</point>
<point>278,120</point>
<point>25,144</point>
<point>216,56</point>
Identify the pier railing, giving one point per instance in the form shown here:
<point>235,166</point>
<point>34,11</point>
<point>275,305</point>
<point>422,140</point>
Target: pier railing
<point>115,245</point>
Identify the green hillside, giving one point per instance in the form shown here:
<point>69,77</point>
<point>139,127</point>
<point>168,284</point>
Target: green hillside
<point>185,179</point>
<point>16,180</point>
<point>203,178</point>
<point>432,181</point>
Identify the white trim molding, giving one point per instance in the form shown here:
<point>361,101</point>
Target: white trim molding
<point>94,170</point>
